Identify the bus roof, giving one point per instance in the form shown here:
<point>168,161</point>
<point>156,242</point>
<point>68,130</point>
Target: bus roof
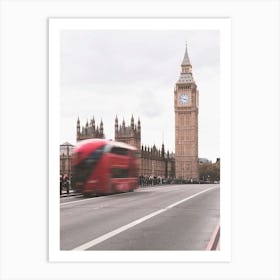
<point>100,142</point>
<point>122,145</point>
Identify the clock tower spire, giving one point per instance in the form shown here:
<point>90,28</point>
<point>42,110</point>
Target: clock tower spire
<point>186,123</point>
<point>186,60</point>
<point>186,69</point>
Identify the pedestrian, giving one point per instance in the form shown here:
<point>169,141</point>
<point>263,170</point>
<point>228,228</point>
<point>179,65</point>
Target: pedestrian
<point>61,184</point>
<point>67,184</point>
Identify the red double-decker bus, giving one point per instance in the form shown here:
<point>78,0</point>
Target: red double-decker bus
<point>102,167</point>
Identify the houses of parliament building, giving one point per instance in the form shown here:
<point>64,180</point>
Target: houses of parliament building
<point>156,161</point>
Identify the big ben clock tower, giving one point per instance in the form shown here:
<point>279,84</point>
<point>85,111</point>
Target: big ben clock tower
<point>186,123</point>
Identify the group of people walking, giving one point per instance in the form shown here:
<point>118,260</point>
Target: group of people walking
<point>152,180</point>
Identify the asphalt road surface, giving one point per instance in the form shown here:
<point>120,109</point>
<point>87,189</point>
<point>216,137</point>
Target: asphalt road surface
<point>168,217</point>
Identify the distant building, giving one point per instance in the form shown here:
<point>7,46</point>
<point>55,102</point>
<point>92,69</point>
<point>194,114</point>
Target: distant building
<point>66,158</point>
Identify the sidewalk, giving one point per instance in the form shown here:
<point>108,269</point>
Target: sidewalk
<point>214,243</point>
<point>71,193</point>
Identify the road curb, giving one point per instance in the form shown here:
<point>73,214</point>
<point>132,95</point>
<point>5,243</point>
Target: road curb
<point>214,243</point>
<point>70,194</point>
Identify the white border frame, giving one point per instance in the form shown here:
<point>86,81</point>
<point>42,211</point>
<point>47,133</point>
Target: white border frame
<point>221,24</point>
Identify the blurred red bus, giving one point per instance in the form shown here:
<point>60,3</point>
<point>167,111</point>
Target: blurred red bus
<point>102,166</point>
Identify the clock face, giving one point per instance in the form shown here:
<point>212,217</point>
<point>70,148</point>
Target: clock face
<point>184,99</point>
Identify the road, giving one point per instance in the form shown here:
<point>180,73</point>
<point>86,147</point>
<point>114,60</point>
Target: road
<point>168,217</point>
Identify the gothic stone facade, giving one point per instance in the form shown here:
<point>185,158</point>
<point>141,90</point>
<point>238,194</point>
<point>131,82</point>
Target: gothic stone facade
<point>129,134</point>
<point>156,162</point>
<point>89,131</point>
<point>152,161</point>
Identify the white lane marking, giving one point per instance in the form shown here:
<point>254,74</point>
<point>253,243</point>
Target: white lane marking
<point>98,198</point>
<point>134,223</point>
<point>76,201</point>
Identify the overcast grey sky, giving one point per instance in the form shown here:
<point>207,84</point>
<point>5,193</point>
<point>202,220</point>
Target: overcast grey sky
<point>109,73</point>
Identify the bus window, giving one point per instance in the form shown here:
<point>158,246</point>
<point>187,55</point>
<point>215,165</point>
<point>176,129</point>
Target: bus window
<point>119,173</point>
<point>119,151</point>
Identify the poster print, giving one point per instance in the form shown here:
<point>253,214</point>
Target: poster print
<point>141,128</point>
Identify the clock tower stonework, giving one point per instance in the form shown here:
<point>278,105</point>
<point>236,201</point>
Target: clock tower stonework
<point>186,123</point>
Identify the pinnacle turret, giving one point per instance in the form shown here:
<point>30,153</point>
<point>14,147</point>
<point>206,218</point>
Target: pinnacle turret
<point>139,124</point>
<point>78,128</point>
<point>116,124</point>
<point>101,127</point>
<point>186,60</point>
